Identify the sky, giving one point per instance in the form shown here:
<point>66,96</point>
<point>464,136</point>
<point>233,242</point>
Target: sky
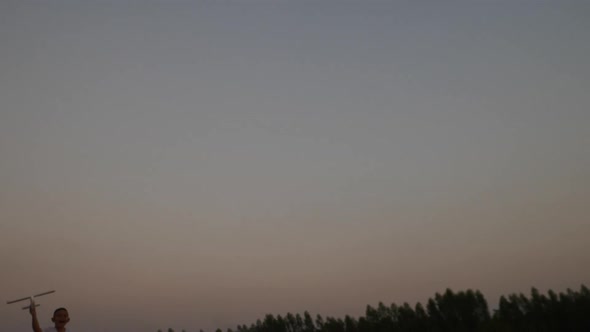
<point>195,165</point>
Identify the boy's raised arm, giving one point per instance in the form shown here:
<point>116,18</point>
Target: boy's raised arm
<point>34,321</point>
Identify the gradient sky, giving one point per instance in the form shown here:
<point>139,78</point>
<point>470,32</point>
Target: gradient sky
<point>198,165</point>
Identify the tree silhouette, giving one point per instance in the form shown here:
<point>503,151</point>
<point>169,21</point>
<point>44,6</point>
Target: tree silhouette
<point>450,311</point>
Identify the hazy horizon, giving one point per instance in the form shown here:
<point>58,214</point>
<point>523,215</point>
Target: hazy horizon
<point>198,165</point>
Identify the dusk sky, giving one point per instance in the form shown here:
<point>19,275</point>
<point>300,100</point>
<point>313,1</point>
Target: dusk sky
<point>197,165</point>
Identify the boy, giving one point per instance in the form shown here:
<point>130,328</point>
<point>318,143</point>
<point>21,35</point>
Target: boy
<point>60,319</point>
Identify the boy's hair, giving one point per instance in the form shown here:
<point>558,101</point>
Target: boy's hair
<point>58,310</point>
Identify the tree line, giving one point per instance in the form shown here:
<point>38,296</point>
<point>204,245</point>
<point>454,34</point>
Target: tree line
<point>463,311</point>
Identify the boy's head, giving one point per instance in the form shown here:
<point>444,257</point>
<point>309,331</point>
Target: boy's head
<point>60,317</point>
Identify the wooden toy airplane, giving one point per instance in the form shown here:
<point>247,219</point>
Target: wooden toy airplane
<point>31,298</point>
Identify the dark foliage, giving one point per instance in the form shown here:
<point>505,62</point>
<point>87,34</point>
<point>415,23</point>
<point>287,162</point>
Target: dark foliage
<point>450,311</point>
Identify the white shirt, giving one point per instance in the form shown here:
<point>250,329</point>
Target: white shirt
<point>53,329</point>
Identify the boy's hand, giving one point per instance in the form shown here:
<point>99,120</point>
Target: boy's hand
<point>32,309</point>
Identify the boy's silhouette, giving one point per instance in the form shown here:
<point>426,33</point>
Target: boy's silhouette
<point>60,319</point>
